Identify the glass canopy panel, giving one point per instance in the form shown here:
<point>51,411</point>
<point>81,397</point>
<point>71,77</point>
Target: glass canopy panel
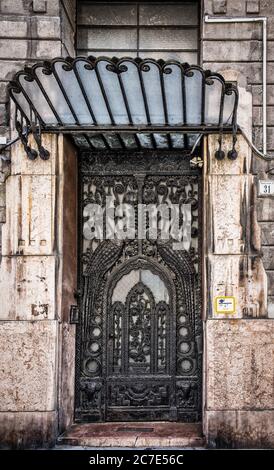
<point>55,95</point>
<point>193,90</point>
<point>135,98</point>
<point>81,141</point>
<point>93,91</point>
<point>113,92</point>
<point>131,141</point>
<point>229,103</point>
<point>113,141</point>
<point>161,141</point>
<point>153,98</point>
<point>174,95</point>
<point>21,100</point>
<point>191,138</point>
<point>145,140</point>
<point>36,96</point>
<point>213,98</point>
<point>98,142</point>
<point>74,93</point>
<point>152,84</point>
<point>178,141</point>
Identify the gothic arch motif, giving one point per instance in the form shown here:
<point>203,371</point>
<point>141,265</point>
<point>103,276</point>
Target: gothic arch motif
<point>140,329</point>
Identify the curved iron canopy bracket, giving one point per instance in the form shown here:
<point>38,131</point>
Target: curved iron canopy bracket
<point>122,103</point>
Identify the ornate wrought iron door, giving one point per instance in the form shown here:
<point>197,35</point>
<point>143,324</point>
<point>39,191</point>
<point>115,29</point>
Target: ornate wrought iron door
<point>139,341</point>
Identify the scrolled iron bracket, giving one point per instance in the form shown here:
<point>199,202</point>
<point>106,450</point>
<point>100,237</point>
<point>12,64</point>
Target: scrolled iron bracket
<point>31,153</point>
<point>43,153</point>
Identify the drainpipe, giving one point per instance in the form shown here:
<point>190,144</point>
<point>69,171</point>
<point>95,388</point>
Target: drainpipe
<point>257,19</point>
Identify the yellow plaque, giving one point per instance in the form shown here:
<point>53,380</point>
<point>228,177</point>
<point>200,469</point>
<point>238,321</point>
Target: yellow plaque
<point>225,304</point>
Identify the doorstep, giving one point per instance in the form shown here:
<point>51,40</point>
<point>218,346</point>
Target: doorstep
<point>141,434</point>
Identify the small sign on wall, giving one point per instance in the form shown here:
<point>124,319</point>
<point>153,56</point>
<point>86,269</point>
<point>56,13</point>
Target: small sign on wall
<point>225,305</point>
<point>266,188</point>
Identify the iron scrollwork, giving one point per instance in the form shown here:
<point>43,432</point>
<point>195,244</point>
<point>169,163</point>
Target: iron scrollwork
<point>140,300</point>
<point>38,105</point>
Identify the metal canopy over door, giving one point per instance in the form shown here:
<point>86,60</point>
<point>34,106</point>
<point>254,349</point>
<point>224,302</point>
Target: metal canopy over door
<point>139,341</point>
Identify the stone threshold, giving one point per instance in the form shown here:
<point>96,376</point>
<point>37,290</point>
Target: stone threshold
<point>133,435</point>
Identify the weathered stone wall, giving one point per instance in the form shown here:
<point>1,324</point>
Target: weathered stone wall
<point>30,30</point>
<point>38,266</point>
<point>232,237</point>
<point>239,347</point>
<point>239,47</point>
<point>238,361</point>
<point>239,396</point>
<point>38,280</point>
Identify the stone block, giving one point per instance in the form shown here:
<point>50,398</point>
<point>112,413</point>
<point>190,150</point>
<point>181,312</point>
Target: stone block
<point>265,209</point>
<point>267,232</point>
<point>258,138</point>
<point>28,284</point>
<point>235,8</point>
<point>24,7</point>
<point>67,376</point>
<point>43,49</point>
<point>257,93</point>
<point>270,306</point>
<point>268,257</point>
<point>258,117</point>
<point>28,365</point>
<point>228,31</point>
<point>223,274</point>
<point>13,49</point>
<point>9,68</point>
<point>219,6</point>
<point>3,114</point>
<point>14,27</point>
<point>30,212</point>
<point>252,6</point>
<point>28,430</point>
<point>270,282</point>
<point>3,92</point>
<point>258,166</point>
<point>229,217</point>
<point>20,164</point>
<point>239,166</point>
<point>239,369</point>
<point>251,70</point>
<point>242,277</point>
<point>39,6</point>
<point>2,195</point>
<point>236,50</point>
<point>240,429</point>
<point>47,27</point>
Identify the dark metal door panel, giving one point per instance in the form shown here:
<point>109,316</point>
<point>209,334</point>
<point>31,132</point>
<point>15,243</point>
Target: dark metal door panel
<point>139,337</point>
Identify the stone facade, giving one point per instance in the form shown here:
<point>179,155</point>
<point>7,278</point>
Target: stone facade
<point>38,210</point>
<point>241,50</point>
<point>29,31</point>
<point>38,276</point>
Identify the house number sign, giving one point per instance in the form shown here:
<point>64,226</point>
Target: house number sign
<point>266,188</point>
